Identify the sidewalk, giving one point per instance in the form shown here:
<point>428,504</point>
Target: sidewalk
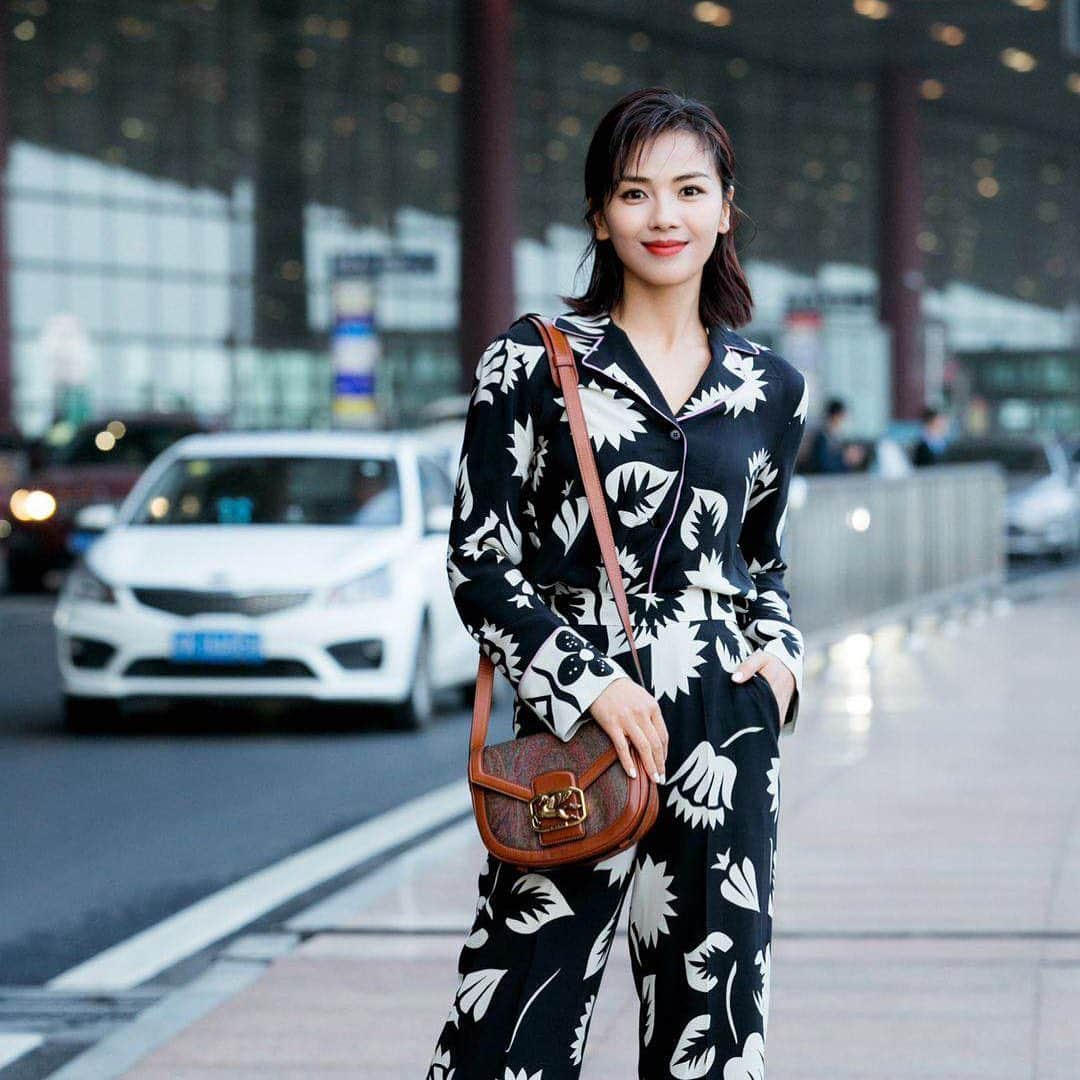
<point>927,902</point>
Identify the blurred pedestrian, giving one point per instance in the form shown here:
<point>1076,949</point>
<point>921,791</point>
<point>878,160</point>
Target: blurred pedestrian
<point>696,429</point>
<point>828,452</point>
<point>932,439</point>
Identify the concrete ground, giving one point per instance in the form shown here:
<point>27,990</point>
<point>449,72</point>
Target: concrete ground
<point>927,904</point>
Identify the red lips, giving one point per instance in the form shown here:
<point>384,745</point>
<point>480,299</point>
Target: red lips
<point>666,247</point>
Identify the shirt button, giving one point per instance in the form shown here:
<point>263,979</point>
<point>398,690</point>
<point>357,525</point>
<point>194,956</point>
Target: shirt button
<point>675,433</point>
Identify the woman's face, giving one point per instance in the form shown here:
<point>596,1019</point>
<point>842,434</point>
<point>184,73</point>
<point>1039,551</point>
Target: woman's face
<point>673,195</point>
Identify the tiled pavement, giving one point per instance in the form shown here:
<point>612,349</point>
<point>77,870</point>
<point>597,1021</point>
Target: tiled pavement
<point>927,899</point>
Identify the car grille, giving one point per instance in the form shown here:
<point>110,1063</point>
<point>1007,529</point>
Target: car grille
<point>161,667</point>
<point>207,602</point>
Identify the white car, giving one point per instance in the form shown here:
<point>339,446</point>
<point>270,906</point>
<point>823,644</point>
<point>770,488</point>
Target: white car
<point>1042,505</point>
<point>271,564</point>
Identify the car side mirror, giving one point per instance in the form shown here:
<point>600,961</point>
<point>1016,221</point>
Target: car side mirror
<point>438,518</point>
<point>96,517</point>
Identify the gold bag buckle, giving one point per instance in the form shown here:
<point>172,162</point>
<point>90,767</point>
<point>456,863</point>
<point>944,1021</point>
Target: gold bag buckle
<point>557,809</point>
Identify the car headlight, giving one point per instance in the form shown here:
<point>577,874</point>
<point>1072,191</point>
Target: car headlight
<point>33,505</point>
<point>83,584</point>
<point>1040,507</point>
<point>372,585</point>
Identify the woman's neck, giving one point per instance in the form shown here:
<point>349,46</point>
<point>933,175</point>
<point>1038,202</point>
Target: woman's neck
<point>666,318</point>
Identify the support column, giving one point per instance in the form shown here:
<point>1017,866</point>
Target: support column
<point>488,179</point>
<point>280,274</point>
<point>900,262</point>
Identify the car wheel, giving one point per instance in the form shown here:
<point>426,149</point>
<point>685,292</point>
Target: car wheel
<point>86,714</point>
<point>417,711</point>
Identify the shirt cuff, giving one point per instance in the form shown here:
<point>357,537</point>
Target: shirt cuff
<point>564,677</point>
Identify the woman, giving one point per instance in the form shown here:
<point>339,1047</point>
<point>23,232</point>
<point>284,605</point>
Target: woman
<point>695,430</point>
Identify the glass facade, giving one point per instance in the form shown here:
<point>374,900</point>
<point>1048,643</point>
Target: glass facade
<point>181,174</point>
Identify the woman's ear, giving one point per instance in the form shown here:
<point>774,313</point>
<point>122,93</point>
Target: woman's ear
<point>600,226</point>
<point>725,213</point>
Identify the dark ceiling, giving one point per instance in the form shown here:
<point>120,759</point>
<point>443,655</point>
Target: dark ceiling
<point>829,37</point>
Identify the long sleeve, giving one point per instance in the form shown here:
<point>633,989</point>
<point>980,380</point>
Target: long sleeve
<point>552,667</point>
<point>768,623</point>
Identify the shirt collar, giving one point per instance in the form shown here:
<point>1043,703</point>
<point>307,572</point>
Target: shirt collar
<point>604,349</point>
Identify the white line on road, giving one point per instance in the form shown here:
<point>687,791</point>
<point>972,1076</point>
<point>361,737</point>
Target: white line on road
<point>13,1044</point>
<point>151,951</point>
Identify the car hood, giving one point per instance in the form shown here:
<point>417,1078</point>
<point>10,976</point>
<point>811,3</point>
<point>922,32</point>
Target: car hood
<point>242,556</point>
<point>1020,487</point>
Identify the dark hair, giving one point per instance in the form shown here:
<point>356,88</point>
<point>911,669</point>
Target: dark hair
<point>632,121</point>
<point>835,406</point>
<point>930,413</point>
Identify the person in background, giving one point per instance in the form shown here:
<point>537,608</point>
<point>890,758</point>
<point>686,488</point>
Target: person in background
<point>933,438</point>
<point>827,453</point>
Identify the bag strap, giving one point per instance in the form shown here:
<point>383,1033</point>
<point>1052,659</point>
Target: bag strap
<point>565,376</point>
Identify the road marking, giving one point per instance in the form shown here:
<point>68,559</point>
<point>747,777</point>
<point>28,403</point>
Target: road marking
<point>13,1044</point>
<point>145,954</point>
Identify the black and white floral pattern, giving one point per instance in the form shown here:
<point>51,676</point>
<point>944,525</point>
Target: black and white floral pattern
<point>697,502</point>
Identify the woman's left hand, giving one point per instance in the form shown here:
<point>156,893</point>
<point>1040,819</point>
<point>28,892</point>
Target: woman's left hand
<point>777,674</point>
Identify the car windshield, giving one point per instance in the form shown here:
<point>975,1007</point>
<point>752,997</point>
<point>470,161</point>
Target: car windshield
<point>1012,457</point>
<point>98,444</point>
<point>274,490</point>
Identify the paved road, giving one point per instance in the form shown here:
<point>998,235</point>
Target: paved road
<point>107,834</point>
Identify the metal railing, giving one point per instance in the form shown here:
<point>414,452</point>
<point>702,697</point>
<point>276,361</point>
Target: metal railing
<point>862,543</point>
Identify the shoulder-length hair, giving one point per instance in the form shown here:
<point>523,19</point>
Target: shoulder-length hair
<point>631,122</point>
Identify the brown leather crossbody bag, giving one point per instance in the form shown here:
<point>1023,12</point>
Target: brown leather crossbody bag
<point>541,801</point>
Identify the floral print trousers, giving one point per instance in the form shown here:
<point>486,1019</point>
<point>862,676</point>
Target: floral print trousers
<point>700,884</point>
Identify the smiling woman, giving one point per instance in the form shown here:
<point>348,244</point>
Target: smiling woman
<point>695,430</point>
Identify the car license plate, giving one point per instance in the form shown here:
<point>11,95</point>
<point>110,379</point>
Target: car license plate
<point>217,647</point>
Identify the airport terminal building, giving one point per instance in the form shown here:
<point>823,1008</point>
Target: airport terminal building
<point>266,211</point>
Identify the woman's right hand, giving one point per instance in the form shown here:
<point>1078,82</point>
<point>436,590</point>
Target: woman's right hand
<point>631,715</point>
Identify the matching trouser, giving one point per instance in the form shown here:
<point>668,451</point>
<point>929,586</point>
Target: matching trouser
<point>700,923</point>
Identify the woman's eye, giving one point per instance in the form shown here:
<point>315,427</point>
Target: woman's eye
<point>638,191</point>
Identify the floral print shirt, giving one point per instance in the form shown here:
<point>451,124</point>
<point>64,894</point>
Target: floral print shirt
<point>697,500</point>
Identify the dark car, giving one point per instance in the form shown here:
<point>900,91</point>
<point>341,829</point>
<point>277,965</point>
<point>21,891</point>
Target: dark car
<point>98,463</point>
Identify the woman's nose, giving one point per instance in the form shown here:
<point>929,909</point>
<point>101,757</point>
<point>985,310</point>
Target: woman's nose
<point>665,213</point>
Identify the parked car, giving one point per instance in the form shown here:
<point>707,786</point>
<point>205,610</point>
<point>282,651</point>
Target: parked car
<point>1042,505</point>
<point>1072,452</point>
<point>273,565</point>
<point>96,462</point>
